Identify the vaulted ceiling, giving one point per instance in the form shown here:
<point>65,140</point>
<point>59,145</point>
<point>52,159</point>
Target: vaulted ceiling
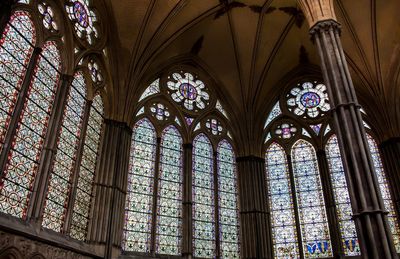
<point>248,47</point>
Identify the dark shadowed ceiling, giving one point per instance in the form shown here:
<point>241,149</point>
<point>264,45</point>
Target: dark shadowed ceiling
<point>248,47</point>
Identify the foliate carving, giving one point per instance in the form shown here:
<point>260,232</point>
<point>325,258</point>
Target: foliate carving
<point>325,26</point>
<point>33,249</point>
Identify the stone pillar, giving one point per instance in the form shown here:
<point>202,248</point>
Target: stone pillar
<point>5,13</point>
<point>49,150</point>
<point>367,204</point>
<point>390,152</point>
<point>107,213</point>
<point>254,210</point>
<point>330,205</point>
<point>187,204</point>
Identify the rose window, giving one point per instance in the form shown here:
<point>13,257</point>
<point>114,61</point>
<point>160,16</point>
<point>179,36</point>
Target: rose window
<point>214,126</point>
<point>160,111</point>
<point>48,16</point>
<point>94,71</point>
<point>188,91</point>
<point>285,130</point>
<point>308,99</point>
<point>83,18</point>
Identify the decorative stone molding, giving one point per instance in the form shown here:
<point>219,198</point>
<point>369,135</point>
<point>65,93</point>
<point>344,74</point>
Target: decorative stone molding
<point>14,246</point>
<point>325,26</point>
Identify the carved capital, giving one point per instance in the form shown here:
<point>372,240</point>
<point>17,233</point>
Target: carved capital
<point>317,10</point>
<point>325,26</point>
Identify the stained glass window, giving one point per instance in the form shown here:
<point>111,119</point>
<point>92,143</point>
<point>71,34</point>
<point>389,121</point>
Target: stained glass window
<point>203,198</point>
<point>284,235</point>
<point>83,18</point>
<point>276,111</point>
<point>308,99</point>
<point>153,88</point>
<point>214,126</point>
<point>84,187</point>
<point>384,188</point>
<point>311,206</point>
<point>342,198</point>
<point>227,201</point>
<point>138,213</point>
<point>27,144</point>
<point>169,207</point>
<point>189,91</point>
<point>95,72</point>
<point>47,16</point>
<point>285,130</point>
<point>67,146</point>
<point>160,111</point>
<point>221,109</point>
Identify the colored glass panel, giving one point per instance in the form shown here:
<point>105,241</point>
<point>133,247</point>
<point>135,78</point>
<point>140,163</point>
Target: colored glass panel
<point>284,235</point>
<point>154,88</point>
<point>61,178</point>
<point>227,200</point>
<point>385,192</point>
<point>276,111</point>
<point>84,186</point>
<point>342,198</point>
<point>83,18</point>
<point>203,198</point>
<point>169,207</point>
<point>139,201</point>
<point>27,143</point>
<point>311,206</point>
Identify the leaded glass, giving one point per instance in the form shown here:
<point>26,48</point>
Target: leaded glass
<point>285,130</point>
<point>342,198</point>
<point>214,126</point>
<point>83,18</point>
<point>284,235</point>
<point>27,143</point>
<point>228,202</point>
<point>84,187</point>
<point>276,111</point>
<point>160,111</point>
<point>203,198</point>
<point>221,109</point>
<point>154,88</point>
<point>169,207</point>
<point>60,181</point>
<point>309,99</point>
<point>47,16</point>
<point>139,200</point>
<point>316,128</point>
<point>311,206</point>
<point>95,72</point>
<point>188,91</point>
<point>385,192</point>
<point>16,46</point>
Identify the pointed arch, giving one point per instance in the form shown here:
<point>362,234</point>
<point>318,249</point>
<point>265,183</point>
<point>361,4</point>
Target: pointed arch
<point>228,201</point>
<point>203,198</point>
<point>310,198</point>
<point>138,208</point>
<point>280,194</point>
<point>170,188</point>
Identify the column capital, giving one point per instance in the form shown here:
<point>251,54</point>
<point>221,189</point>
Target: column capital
<point>119,124</point>
<point>317,10</point>
<point>325,26</point>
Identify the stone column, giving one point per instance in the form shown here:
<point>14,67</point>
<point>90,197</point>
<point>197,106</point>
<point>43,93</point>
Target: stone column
<point>49,150</point>
<point>390,152</point>
<point>330,205</point>
<point>5,13</point>
<point>107,213</point>
<point>254,211</point>
<point>367,204</point>
<point>187,204</point>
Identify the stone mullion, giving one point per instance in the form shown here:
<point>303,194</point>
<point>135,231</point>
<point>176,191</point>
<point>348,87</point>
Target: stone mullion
<point>390,150</point>
<point>19,106</point>
<point>295,206</point>
<point>5,13</point>
<point>187,203</point>
<point>35,209</point>
<point>254,210</point>
<point>76,169</point>
<point>155,198</point>
<point>369,213</point>
<point>330,205</point>
<point>110,187</point>
<point>216,207</point>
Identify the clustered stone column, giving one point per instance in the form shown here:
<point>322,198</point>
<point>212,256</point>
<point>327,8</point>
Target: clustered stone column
<point>107,214</point>
<point>370,216</point>
<point>254,210</point>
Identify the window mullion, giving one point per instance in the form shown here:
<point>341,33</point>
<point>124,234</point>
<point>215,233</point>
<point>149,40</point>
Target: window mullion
<point>75,172</point>
<point>49,149</point>
<point>216,207</point>
<point>187,204</point>
<point>18,108</point>
<point>155,198</point>
<point>295,205</point>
